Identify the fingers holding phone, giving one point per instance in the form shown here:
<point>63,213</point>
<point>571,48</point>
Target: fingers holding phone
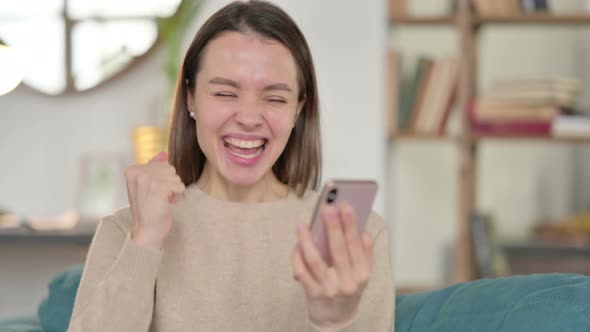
<point>337,243</point>
<point>333,261</point>
<point>334,291</point>
<point>360,246</point>
<point>309,268</point>
<point>350,253</point>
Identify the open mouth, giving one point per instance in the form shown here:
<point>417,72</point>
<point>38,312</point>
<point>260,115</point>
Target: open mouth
<point>246,149</point>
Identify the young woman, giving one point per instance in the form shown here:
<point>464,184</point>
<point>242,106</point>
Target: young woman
<point>216,236</point>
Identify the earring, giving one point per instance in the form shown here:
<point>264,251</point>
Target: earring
<point>191,113</point>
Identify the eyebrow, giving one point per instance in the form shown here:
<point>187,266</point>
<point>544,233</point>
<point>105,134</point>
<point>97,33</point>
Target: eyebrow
<point>224,81</point>
<point>234,84</point>
<point>277,86</point>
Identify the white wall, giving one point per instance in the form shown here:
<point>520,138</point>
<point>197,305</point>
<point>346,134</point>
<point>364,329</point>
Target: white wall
<point>42,138</point>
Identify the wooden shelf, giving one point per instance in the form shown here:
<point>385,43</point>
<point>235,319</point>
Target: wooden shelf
<point>544,139</point>
<point>421,137</point>
<point>408,20</point>
<point>545,18</point>
<point>405,137</point>
<point>535,256</point>
<point>81,234</point>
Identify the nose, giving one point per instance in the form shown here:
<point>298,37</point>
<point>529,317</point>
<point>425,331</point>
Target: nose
<point>249,115</point>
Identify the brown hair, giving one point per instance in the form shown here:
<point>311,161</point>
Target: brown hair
<point>299,165</point>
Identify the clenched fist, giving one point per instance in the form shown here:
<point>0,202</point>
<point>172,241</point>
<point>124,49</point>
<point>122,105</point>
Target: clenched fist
<point>152,188</point>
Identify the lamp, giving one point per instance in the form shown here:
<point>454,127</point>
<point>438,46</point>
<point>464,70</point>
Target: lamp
<point>147,142</point>
<point>11,69</point>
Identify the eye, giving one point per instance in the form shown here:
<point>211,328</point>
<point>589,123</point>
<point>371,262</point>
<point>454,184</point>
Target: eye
<point>225,95</point>
<point>275,100</point>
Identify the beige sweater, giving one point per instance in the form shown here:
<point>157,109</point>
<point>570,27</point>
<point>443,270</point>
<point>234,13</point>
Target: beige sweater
<point>224,267</point>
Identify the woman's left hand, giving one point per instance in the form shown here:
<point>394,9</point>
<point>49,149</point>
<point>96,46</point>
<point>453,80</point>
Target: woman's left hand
<point>334,292</point>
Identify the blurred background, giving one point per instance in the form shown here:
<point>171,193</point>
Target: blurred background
<point>471,115</point>
<point>96,91</point>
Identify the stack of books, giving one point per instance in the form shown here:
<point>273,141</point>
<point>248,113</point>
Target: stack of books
<point>524,107</point>
<point>494,8</point>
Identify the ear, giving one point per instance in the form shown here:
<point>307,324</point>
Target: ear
<point>299,108</point>
<point>189,100</point>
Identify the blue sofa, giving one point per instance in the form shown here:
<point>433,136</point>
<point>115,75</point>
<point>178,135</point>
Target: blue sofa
<point>534,303</point>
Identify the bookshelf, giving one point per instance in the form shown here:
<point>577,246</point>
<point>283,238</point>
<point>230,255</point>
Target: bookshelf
<point>531,19</point>
<point>412,137</point>
<point>400,138</point>
<point>545,19</point>
<point>467,26</point>
<point>539,139</point>
<point>422,20</point>
<point>81,234</point>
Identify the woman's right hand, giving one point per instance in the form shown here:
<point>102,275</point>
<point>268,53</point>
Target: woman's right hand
<point>152,189</point>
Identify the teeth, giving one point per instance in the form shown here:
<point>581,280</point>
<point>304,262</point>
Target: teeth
<point>245,144</point>
<point>249,156</point>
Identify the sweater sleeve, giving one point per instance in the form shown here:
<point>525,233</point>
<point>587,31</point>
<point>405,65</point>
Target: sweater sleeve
<point>116,291</point>
<point>378,300</point>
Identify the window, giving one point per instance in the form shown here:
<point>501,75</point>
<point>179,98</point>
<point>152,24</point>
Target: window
<point>74,45</point>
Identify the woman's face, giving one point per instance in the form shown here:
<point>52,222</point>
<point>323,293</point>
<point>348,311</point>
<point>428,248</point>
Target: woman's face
<point>245,105</point>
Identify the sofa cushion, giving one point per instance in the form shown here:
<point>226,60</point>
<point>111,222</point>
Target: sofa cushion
<point>21,324</point>
<point>539,303</point>
<point>55,310</point>
<point>533,303</point>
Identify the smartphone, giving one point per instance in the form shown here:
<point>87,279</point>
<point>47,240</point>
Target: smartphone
<point>360,194</point>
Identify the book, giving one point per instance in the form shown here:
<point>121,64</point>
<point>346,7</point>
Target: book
<point>490,111</point>
<point>485,8</point>
<point>488,8</point>
<point>421,94</point>
<point>561,84</point>
<point>410,92</point>
<point>533,98</point>
<point>534,5</point>
<point>520,128</point>
<point>424,112</point>
<point>482,247</point>
<point>447,98</point>
<point>438,97</point>
<point>451,107</point>
<point>490,259</point>
<point>508,128</point>
<point>534,92</point>
<point>571,126</point>
<point>509,7</point>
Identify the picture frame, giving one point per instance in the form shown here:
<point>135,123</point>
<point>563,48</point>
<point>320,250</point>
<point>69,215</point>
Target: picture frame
<point>101,184</point>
